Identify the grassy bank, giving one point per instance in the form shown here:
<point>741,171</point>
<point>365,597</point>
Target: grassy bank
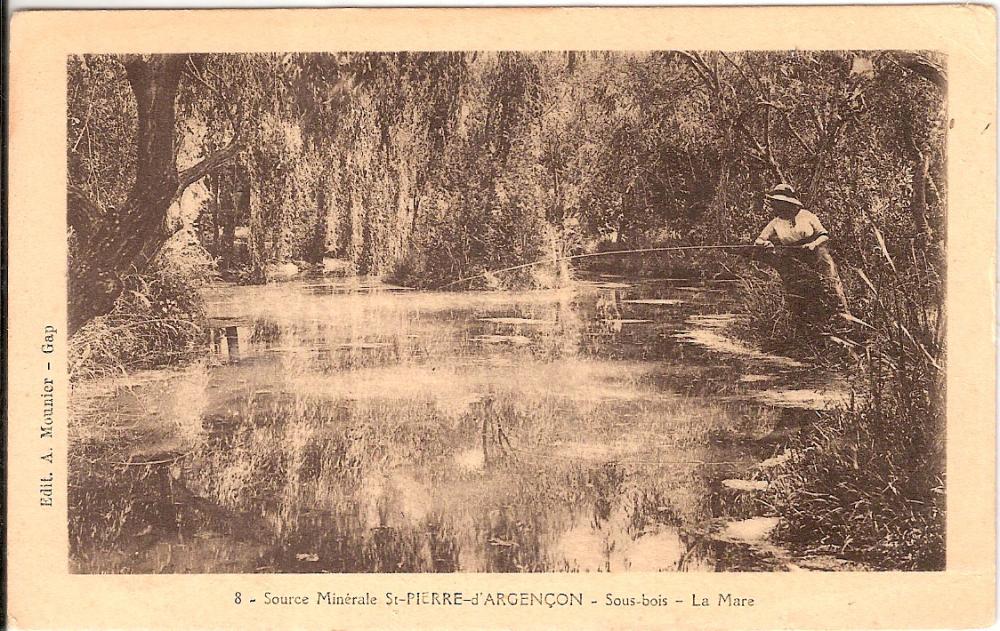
<point>158,319</point>
<point>867,481</point>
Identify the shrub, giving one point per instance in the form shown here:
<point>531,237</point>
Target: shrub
<point>157,318</point>
<point>407,270</point>
<point>868,484</point>
<point>868,480</point>
<point>762,303</point>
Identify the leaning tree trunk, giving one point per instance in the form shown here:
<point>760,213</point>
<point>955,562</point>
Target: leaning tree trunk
<point>116,242</point>
<point>929,71</point>
<point>923,233</point>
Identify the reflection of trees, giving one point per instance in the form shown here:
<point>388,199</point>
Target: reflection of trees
<point>568,329</point>
<point>609,312</point>
<point>265,332</point>
<point>323,480</point>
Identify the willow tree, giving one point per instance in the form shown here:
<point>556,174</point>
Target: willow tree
<point>113,242</point>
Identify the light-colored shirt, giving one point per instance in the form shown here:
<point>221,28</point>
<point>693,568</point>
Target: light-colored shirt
<point>803,228</point>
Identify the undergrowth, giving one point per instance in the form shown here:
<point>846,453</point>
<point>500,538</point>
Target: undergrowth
<point>867,485</point>
<point>866,481</point>
<point>157,319</point>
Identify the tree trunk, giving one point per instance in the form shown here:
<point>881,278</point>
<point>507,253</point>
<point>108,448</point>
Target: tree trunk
<point>227,228</point>
<point>219,207</point>
<point>921,170</point>
<point>256,244</point>
<point>127,238</point>
<point>366,259</point>
<point>317,249</point>
<point>124,240</point>
<point>717,206</point>
<point>918,205</point>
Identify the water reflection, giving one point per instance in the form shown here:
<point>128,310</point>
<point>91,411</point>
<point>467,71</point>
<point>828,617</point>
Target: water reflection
<point>352,427</point>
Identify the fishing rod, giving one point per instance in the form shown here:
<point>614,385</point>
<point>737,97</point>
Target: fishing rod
<point>674,248</point>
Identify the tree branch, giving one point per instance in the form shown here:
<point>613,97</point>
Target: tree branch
<point>817,121</point>
<point>700,67</point>
<point>788,122</point>
<point>192,174</point>
<point>740,70</point>
<point>826,146</point>
<point>763,153</point>
<point>922,67</point>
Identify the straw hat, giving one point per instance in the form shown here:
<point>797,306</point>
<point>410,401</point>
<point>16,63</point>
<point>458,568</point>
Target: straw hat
<point>784,193</point>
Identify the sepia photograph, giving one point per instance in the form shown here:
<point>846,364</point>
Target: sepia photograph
<point>505,311</point>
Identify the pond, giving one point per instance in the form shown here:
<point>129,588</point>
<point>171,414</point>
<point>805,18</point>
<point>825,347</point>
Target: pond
<point>345,425</point>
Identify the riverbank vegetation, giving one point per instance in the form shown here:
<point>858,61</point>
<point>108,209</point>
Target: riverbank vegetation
<point>157,319</point>
<point>867,481</point>
<point>427,168</point>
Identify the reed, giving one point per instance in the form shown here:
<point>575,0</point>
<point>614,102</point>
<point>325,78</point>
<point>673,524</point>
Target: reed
<point>868,479</point>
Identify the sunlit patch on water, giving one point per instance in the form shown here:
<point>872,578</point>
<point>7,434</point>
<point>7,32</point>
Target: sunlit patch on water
<point>469,460</point>
<point>514,340</point>
<point>709,332</point>
<point>745,485</point>
<point>583,452</point>
<point>625,321</point>
<point>610,285</point>
<point>342,425</point>
<point>584,548</point>
<point>655,552</point>
<point>363,346</point>
<point>805,398</point>
<point>750,530</point>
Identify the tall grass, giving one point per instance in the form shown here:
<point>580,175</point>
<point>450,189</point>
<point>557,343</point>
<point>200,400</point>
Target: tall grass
<point>868,480</point>
<point>157,319</point>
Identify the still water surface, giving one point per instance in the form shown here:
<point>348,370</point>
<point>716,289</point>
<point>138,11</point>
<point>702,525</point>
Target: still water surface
<point>350,426</point>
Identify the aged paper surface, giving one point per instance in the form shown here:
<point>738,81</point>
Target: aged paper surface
<point>220,529</point>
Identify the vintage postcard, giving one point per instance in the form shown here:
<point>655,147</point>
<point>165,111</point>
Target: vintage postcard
<point>502,318</point>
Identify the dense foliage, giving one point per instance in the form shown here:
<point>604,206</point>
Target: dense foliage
<point>431,167</point>
<point>449,164</point>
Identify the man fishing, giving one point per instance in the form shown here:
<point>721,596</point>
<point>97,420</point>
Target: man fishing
<point>803,259</point>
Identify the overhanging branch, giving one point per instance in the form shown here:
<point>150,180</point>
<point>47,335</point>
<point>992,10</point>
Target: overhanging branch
<point>189,176</point>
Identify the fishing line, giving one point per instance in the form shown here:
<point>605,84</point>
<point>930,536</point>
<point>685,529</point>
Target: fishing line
<point>675,248</point>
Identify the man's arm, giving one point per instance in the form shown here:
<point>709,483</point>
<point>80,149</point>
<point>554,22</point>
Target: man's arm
<point>818,241</point>
<point>764,239</point>
<point>820,233</point>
